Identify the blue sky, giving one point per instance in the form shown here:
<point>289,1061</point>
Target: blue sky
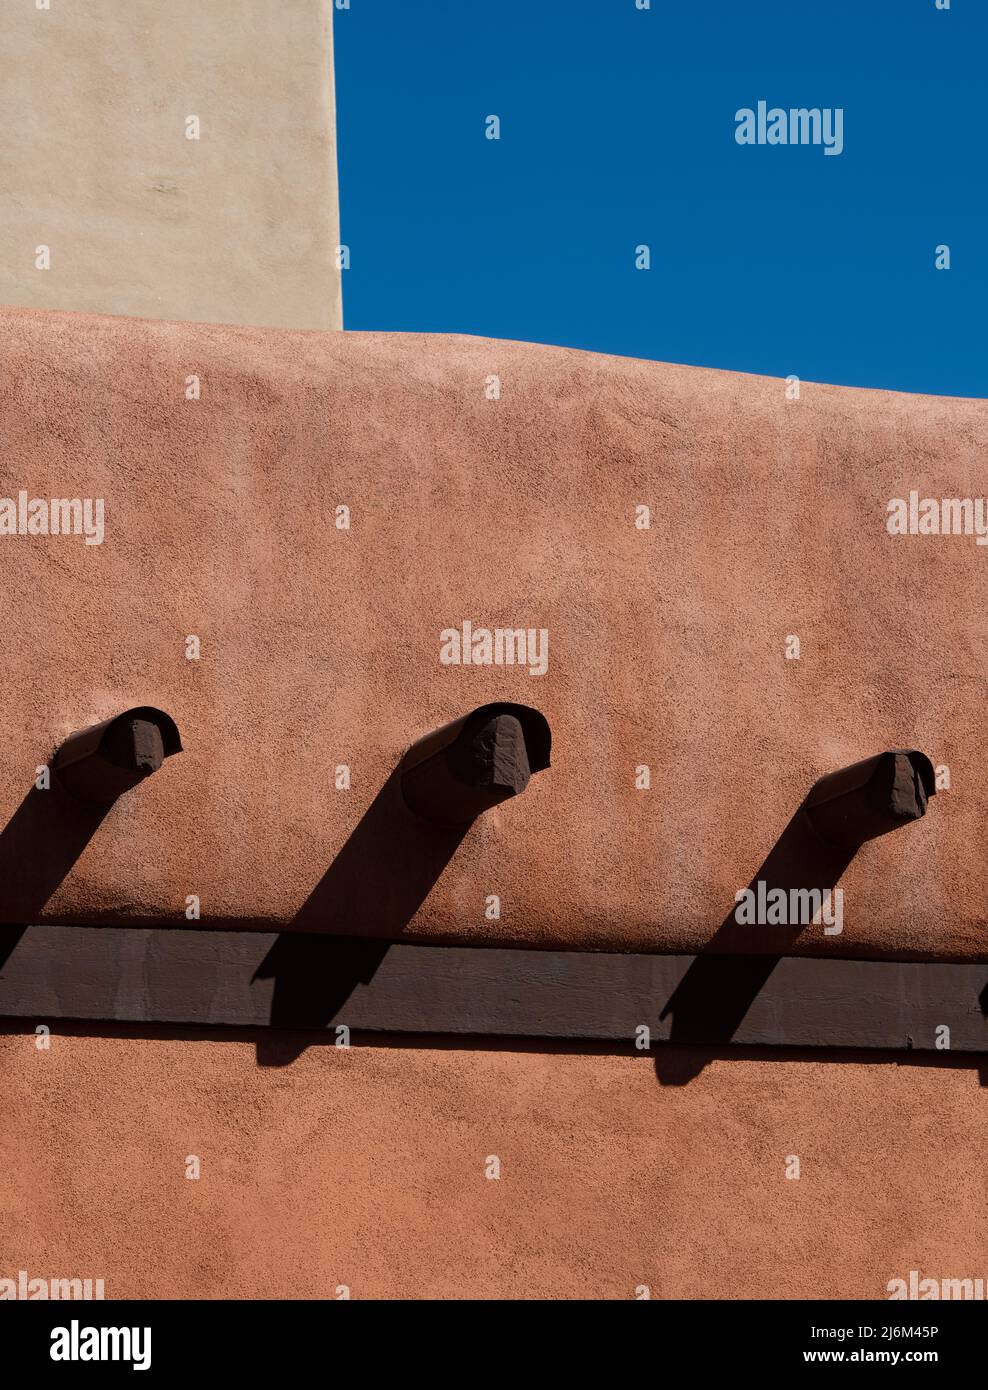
<point>618,130</point>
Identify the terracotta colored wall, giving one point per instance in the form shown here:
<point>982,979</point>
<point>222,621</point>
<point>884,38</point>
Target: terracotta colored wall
<point>239,226</point>
<point>320,646</point>
<point>366,1167</point>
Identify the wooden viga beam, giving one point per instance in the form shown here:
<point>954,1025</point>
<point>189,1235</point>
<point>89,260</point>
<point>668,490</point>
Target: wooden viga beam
<point>470,765</point>
<point>100,763</point>
<point>293,980</point>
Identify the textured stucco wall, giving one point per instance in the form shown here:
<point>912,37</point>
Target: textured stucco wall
<point>367,1168</point>
<point>239,226</point>
<point>320,646</point>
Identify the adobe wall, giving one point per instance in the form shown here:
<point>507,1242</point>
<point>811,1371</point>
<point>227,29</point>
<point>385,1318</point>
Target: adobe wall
<point>320,646</point>
<point>366,1167</point>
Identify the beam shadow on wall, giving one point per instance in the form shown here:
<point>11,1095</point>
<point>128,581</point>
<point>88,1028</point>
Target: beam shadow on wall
<point>38,847</point>
<point>710,1002</point>
<point>839,814</point>
<point>48,832</point>
<point>377,882</point>
<point>393,859</point>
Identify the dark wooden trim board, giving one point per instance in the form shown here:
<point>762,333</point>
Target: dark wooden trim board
<point>243,979</point>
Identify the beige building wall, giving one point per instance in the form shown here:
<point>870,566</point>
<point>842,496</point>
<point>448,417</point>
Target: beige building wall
<point>238,226</point>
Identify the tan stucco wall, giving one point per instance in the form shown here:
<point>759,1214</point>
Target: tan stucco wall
<point>321,647</point>
<point>367,1168</point>
<point>240,226</point>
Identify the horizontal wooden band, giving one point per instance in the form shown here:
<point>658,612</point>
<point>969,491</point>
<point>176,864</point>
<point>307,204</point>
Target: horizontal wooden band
<point>249,979</point>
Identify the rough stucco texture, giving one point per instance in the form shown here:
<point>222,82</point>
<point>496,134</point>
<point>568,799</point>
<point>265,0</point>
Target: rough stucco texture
<point>320,646</point>
<point>238,226</point>
<point>367,1168</point>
